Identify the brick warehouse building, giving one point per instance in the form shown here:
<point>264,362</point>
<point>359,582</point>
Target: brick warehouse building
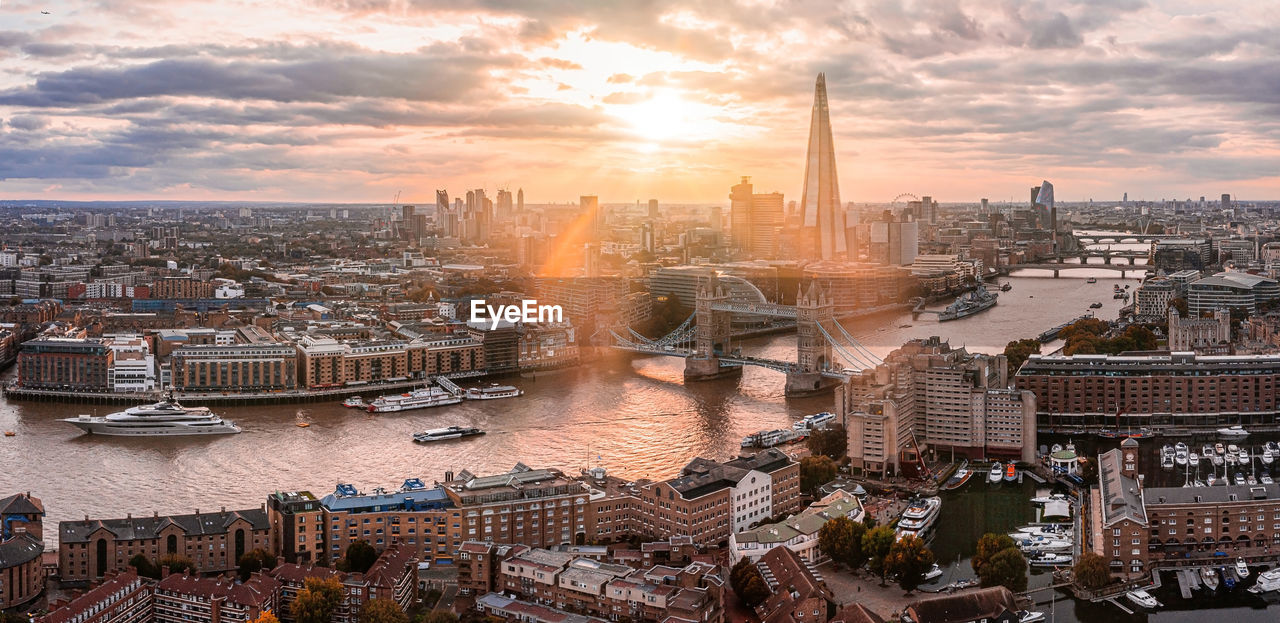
<point>66,364</point>
<point>21,546</point>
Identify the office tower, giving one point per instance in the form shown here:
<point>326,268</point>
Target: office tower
<point>590,210</point>
<point>716,218</point>
<point>823,220</point>
<point>1125,201</point>
<point>896,243</point>
<point>1226,201</point>
<point>406,213</point>
<point>504,206</point>
<point>986,207</point>
<point>647,241</point>
<point>929,210</point>
<point>653,209</point>
<point>754,220</point>
<point>520,201</point>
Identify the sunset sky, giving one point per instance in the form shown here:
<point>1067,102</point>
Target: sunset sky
<point>353,100</point>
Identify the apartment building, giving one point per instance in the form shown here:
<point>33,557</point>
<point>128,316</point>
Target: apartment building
<point>537,507</point>
<point>184,598</point>
<point>120,598</point>
<point>182,288</point>
<point>92,548</point>
<point>798,593</point>
<point>1142,390</point>
<point>235,368</point>
<point>393,577</point>
<point>799,533</point>
<point>67,364</point>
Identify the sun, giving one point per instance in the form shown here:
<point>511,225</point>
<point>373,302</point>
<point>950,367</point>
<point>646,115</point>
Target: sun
<point>665,116</point>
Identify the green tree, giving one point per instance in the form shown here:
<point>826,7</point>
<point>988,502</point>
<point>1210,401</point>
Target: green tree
<point>1018,351</point>
<point>909,559</point>
<point>1007,568</point>
<point>816,471</point>
<point>875,546</point>
<point>748,584</point>
<point>360,556</point>
<point>144,566</point>
<point>177,563</point>
<point>988,545</point>
<point>317,600</point>
<point>830,442</point>
<point>1091,571</point>
<point>254,560</point>
<point>840,539</point>
<point>382,611</point>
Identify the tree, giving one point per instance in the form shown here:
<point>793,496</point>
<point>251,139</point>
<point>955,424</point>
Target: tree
<point>144,566</point>
<point>177,563</point>
<point>1091,571</point>
<point>875,546</point>
<point>1007,568</point>
<point>382,611</point>
<point>1018,351</point>
<point>360,556</point>
<point>1180,304</point>
<point>1089,470</point>
<point>317,600</point>
<point>989,545</point>
<point>256,559</point>
<point>267,616</point>
<point>909,559</point>
<point>816,471</point>
<point>840,539</point>
<point>748,584</point>
<point>830,441</point>
<point>437,616</point>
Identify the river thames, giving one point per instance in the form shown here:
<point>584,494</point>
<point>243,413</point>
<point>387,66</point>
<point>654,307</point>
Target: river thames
<point>632,415</point>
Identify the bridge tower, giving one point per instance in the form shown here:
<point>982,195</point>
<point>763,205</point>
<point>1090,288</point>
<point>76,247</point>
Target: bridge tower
<point>813,352</point>
<point>712,333</point>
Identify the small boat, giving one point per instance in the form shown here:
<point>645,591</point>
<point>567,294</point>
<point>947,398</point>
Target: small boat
<point>1211,480</point>
<point>1042,531</point>
<point>1107,433</point>
<point>958,480</point>
<point>817,421</point>
<point>1251,479</point>
<point>303,424</point>
<point>933,572</point>
<point>1006,286</point>
<point>1027,616</point>
<point>1267,456</point>
<point>1228,579</point>
<point>1206,451</point>
<point>444,434</point>
<point>9,433</point>
<point>1239,480</point>
<point>1043,544</point>
<point>1092,280</point>
<point>1217,460</point>
<point>1274,448</point>
<point>1142,599</point>
<point>1268,581</point>
<point>1180,453</point>
<point>1197,483</point>
<point>1209,578</point>
<point>1233,448</point>
<point>1049,559</point>
<point>1233,431</point>
<point>1166,462</point>
<point>1242,569</point>
<point>1266,479</point>
<point>1194,458</point>
<point>1243,455</point>
<point>1167,450</point>
<point>1095,305</point>
<point>1010,473</point>
<point>493,392</point>
<point>354,402</point>
<point>1053,497</point>
<point>997,472</point>
<point>1217,447</point>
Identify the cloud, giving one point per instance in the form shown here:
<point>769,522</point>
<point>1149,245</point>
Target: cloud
<point>558,63</point>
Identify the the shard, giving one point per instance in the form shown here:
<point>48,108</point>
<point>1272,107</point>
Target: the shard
<point>824,223</point>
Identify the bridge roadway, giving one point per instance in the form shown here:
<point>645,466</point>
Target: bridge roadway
<point>729,361</point>
<point>1055,267</point>
<point>772,310</point>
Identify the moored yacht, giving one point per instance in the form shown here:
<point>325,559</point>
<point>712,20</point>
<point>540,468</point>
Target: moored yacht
<point>417,399</point>
<point>1242,569</point>
<point>1142,598</point>
<point>354,402</point>
<point>997,472</point>
<point>1268,581</point>
<point>164,418</point>
<point>493,392</point>
<point>1233,431</point>
<point>920,517</point>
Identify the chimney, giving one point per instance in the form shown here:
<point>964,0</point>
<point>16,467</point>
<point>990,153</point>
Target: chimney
<point>155,514</point>
<point>128,515</point>
<point>224,510</point>
<point>164,571</point>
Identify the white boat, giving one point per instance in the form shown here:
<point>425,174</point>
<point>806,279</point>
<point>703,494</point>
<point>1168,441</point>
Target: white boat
<point>1217,447</point>
<point>1266,479</point>
<point>771,438</point>
<point>445,434</point>
<point>1027,616</point>
<point>1242,569</point>
<point>1049,559</point>
<point>1217,460</point>
<point>1053,497</point>
<point>162,419</point>
<point>997,473</point>
<point>1267,457</point>
<point>1194,458</point>
<point>1043,544</point>
<point>417,399</point>
<point>1233,431</point>
<point>354,402</point>
<point>1232,458</point>
<point>1239,479</point>
<point>1209,577</point>
<point>1166,462</point>
<point>920,517</point>
<point>1206,451</point>
<point>1142,599</point>
<point>493,392</point>
<point>1243,455</point>
<point>817,421</point>
<point>1233,449</point>
<point>1167,450</point>
<point>1180,453</point>
<point>1268,581</point>
<point>1211,479</point>
<point>934,572</point>
<point>1251,479</point>
<point>1043,530</point>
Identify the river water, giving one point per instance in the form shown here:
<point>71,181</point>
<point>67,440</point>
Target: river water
<point>631,415</point>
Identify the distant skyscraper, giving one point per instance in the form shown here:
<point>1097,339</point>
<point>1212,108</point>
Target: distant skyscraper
<point>504,206</point>
<point>929,209</point>
<point>590,207</point>
<point>986,206</point>
<point>754,220</point>
<point>823,227</point>
<point>1226,201</point>
<point>653,208</point>
<point>520,201</point>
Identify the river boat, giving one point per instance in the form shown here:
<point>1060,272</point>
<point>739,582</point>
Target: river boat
<point>1142,599</point>
<point>354,402</point>
<point>771,438</point>
<point>920,517</point>
<point>418,399</point>
<point>445,434</point>
<point>166,418</point>
<point>817,421</point>
<point>492,392</point>
<point>968,304</point>
<point>1233,431</point>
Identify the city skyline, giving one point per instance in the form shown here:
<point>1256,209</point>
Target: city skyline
<point>356,101</point>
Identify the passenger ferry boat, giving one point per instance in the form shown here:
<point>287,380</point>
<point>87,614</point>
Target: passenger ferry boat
<point>164,418</point>
<point>354,402</point>
<point>445,434</point>
<point>493,392</point>
<point>816,421</point>
<point>417,399</point>
<point>771,438</point>
<point>920,517</point>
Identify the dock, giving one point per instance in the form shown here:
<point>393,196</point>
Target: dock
<point>1119,605</point>
<point>1188,580</point>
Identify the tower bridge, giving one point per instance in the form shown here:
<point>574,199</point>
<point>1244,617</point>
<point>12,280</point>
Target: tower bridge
<point>825,352</point>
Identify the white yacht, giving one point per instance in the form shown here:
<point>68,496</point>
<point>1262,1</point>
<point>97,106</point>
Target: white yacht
<point>920,517</point>
<point>1050,559</point>
<point>164,418</point>
<point>997,473</point>
<point>771,438</point>
<point>1043,544</point>
<point>417,399</point>
<point>1242,569</point>
<point>1142,598</point>
<point>1028,616</point>
<point>1233,431</point>
<point>934,572</point>
<point>1180,453</point>
<point>1268,581</point>
<point>817,421</point>
<point>493,392</point>
<point>444,434</point>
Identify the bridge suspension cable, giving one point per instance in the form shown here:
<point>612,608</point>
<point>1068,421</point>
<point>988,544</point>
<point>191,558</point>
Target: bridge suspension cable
<point>848,357</point>
<point>858,345</point>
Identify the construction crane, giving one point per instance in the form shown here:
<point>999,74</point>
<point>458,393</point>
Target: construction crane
<point>915,444</point>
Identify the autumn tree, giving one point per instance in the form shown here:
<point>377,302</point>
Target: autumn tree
<point>1007,568</point>
<point>1091,571</point>
<point>360,556</point>
<point>143,565</point>
<point>840,539</point>
<point>875,546</point>
<point>317,600</point>
<point>382,611</point>
<point>830,442</point>
<point>177,563</point>
<point>267,616</point>
<point>748,584</point>
<point>1018,351</point>
<point>909,559</point>
<point>816,471</point>
<point>988,546</point>
<point>437,616</point>
<point>254,560</point>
